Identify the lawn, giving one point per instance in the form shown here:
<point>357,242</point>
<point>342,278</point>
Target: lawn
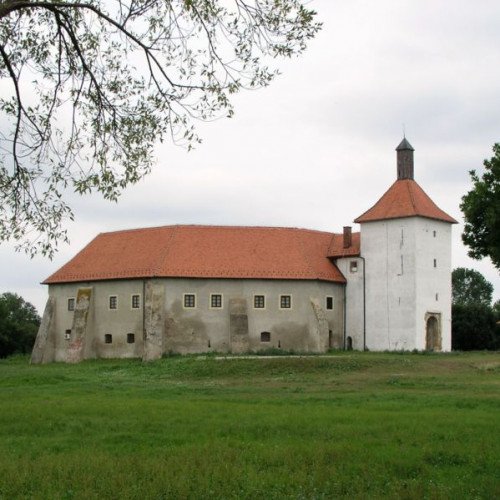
<point>357,425</point>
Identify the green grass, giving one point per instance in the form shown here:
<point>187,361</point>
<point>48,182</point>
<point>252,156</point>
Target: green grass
<point>357,425</point>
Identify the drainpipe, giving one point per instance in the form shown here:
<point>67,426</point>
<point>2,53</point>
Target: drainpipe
<point>345,315</point>
<point>364,302</point>
<point>143,313</point>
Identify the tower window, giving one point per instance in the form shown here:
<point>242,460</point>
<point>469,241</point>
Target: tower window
<point>108,338</point>
<point>329,303</point>
<point>130,338</point>
<point>435,263</point>
<point>434,233</point>
<point>67,335</point>
<point>437,297</point>
<point>113,302</point>
<point>71,304</point>
<point>353,266</point>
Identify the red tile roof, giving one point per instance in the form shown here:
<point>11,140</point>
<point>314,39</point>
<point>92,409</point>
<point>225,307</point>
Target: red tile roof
<point>337,250</point>
<point>206,252</point>
<point>405,198</point>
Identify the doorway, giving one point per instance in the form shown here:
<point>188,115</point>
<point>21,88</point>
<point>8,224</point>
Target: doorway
<point>433,332</point>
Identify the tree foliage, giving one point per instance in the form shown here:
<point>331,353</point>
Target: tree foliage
<point>481,208</point>
<point>474,327</point>
<point>93,85</point>
<point>19,322</point>
<point>469,286</point>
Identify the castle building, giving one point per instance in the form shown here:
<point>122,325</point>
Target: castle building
<point>193,289</point>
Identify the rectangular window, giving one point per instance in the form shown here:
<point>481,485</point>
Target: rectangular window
<point>435,263</point>
<point>265,337</point>
<point>71,304</point>
<point>259,301</point>
<point>113,302</point>
<point>108,338</point>
<point>136,301</point>
<point>67,335</point>
<point>285,301</point>
<point>216,301</point>
<point>434,233</point>
<point>130,338</point>
<point>329,303</point>
<point>437,297</point>
<point>189,300</point>
<point>353,266</point>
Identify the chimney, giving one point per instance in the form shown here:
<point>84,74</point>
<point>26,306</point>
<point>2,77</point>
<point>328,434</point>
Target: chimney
<point>405,160</point>
<point>347,236</point>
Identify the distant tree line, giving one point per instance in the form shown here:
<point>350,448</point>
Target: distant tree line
<point>19,322</point>
<point>475,321</point>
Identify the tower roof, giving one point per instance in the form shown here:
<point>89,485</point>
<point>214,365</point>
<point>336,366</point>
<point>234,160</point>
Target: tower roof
<point>405,198</point>
<point>405,145</point>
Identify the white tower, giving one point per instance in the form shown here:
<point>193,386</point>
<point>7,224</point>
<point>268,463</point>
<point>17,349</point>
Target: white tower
<point>406,244</point>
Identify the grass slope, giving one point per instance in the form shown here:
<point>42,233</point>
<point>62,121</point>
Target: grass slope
<point>360,425</point>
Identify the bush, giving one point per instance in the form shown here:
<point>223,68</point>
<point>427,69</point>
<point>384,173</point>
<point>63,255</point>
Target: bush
<point>474,328</point>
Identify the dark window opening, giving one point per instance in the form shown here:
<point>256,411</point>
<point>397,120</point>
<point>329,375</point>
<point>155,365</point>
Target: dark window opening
<point>108,338</point>
<point>265,337</point>
<point>136,301</point>
<point>353,266</point>
<point>437,297</point>
<point>189,300</point>
<point>130,338</point>
<point>71,304</point>
<point>113,302</point>
<point>285,301</point>
<point>216,300</point>
<point>435,263</point>
<point>67,335</point>
<point>434,233</point>
<point>259,301</point>
<point>329,303</point>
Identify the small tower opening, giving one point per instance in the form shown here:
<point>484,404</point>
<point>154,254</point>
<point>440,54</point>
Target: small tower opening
<point>405,160</point>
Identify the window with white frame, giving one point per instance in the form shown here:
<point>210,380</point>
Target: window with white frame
<point>136,301</point>
<point>71,304</point>
<point>113,302</point>
<point>285,301</point>
<point>259,301</point>
<point>216,300</point>
<point>189,300</point>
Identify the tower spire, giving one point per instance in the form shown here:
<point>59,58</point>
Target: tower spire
<point>405,160</point>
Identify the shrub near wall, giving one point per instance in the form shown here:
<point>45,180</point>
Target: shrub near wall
<point>474,328</point>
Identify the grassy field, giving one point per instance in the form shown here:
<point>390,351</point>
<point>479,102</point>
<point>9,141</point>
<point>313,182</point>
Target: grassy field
<point>357,425</point>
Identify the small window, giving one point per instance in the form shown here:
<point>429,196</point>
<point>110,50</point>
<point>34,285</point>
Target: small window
<point>285,301</point>
<point>329,303</point>
<point>216,301</point>
<point>136,301</point>
<point>353,266</point>
<point>259,301</point>
<point>434,233</point>
<point>67,335</point>
<point>71,304</point>
<point>189,300</point>
<point>437,297</point>
<point>130,338</point>
<point>435,263</point>
<point>108,338</point>
<point>113,302</point>
<point>265,337</point>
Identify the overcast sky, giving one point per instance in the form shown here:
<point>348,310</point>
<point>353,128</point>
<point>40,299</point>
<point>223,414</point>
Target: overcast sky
<point>316,149</point>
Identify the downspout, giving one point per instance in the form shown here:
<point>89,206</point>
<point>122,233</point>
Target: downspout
<point>345,315</point>
<point>364,302</point>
